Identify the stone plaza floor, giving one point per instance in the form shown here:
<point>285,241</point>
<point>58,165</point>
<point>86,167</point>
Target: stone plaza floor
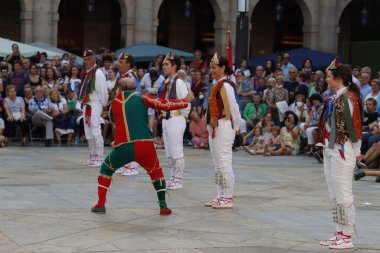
<point>281,205</point>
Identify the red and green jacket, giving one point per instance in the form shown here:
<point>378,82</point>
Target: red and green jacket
<point>129,112</point>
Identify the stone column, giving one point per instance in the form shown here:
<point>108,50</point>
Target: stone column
<point>130,31</point>
<point>144,21</point>
<point>42,21</point>
<point>327,32</point>
<point>154,30</point>
<point>26,18</point>
<point>310,36</point>
<point>220,43</point>
<point>54,28</point>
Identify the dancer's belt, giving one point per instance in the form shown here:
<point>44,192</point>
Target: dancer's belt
<point>168,114</point>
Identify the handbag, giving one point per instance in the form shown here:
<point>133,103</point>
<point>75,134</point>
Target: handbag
<point>16,116</point>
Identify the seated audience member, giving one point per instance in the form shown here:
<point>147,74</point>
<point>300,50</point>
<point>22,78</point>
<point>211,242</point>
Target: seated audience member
<point>257,146</point>
<point>28,96</point>
<point>59,112</point>
<point>14,108</point>
<point>274,142</point>
<point>302,88</point>
<point>370,114</point>
<point>244,89</point>
<point>39,107</point>
<point>72,80</point>
<point>254,111</point>
<point>279,94</point>
<point>307,128</point>
<point>271,83</point>
<point>299,107</point>
<point>267,121</point>
<point>375,85</point>
<point>198,130</point>
<point>289,136</point>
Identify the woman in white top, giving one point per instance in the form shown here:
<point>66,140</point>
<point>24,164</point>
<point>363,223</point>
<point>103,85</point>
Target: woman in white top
<point>72,80</point>
<point>15,114</point>
<point>112,79</point>
<point>59,110</point>
<point>51,79</point>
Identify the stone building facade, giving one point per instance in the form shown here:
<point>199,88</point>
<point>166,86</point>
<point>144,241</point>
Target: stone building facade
<point>39,21</point>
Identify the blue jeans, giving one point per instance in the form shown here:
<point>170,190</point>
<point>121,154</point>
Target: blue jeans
<point>368,140</point>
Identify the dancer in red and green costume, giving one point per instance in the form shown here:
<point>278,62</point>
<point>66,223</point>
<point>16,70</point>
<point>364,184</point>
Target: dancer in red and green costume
<point>134,140</point>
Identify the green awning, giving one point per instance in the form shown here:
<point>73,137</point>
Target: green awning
<point>143,52</point>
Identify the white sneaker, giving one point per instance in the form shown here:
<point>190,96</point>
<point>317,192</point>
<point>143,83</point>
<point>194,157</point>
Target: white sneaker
<point>223,203</point>
<point>344,243</point>
<point>87,162</point>
<point>330,241</point>
<point>212,202</point>
<point>119,170</point>
<point>95,163</point>
<point>174,185</point>
<point>130,172</point>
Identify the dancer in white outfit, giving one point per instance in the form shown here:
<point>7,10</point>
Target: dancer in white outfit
<point>223,123</point>
<point>174,122</point>
<point>94,95</point>
<point>340,137</point>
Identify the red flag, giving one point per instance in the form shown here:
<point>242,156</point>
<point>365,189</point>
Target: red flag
<point>229,49</point>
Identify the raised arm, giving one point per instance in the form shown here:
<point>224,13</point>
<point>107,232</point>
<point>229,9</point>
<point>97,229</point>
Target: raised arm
<point>164,104</point>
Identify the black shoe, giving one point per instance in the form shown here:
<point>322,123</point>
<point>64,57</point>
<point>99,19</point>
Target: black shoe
<point>48,143</point>
<point>377,179</point>
<point>361,165</point>
<point>358,175</point>
<point>318,157</point>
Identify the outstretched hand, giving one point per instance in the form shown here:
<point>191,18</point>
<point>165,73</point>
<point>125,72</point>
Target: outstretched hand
<point>189,97</point>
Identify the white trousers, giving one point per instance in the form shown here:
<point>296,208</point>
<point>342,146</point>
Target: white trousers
<point>94,132</point>
<point>172,131</point>
<point>338,173</point>
<point>221,153</point>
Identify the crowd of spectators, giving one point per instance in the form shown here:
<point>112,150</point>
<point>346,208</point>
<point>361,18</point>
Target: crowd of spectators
<point>279,103</point>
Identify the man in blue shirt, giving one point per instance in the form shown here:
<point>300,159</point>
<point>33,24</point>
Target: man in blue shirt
<point>286,66</point>
<point>365,88</point>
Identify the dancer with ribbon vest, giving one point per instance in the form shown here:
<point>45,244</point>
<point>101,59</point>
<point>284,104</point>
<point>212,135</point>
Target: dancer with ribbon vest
<point>93,94</point>
<point>223,123</point>
<point>340,137</point>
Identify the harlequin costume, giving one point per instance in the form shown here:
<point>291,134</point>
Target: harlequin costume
<point>93,95</point>
<point>134,142</point>
<point>223,121</point>
<point>340,135</point>
<point>130,168</point>
<point>173,128</point>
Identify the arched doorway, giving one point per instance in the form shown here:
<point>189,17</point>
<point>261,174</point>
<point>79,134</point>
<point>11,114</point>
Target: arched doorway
<point>186,25</point>
<point>276,26</point>
<point>89,24</point>
<point>10,24</point>
<point>359,22</point>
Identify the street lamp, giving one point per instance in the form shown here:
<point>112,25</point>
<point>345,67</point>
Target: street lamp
<point>91,5</point>
<point>364,15</point>
<point>279,12</point>
<point>242,28</point>
<point>188,8</point>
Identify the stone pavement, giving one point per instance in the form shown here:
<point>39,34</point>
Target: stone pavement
<point>281,205</point>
